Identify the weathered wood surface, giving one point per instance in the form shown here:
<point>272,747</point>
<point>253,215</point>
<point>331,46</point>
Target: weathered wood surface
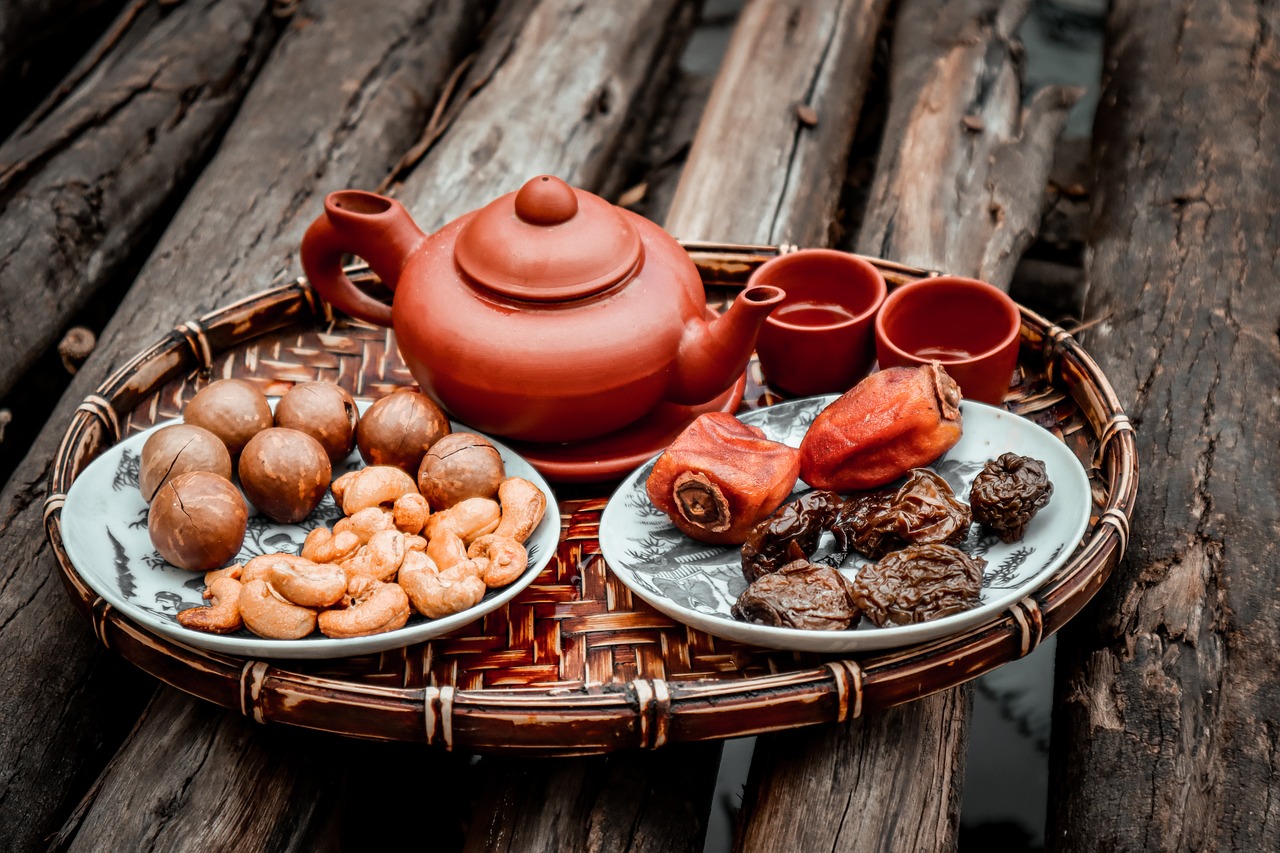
<point>569,96</point>
<point>893,779</point>
<point>651,802</point>
<point>1168,692</point>
<point>779,123</point>
<point>81,182</point>
<point>961,149</point>
<point>298,136</point>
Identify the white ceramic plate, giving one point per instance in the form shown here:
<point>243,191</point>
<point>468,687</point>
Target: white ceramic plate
<point>104,529</point>
<point>696,583</point>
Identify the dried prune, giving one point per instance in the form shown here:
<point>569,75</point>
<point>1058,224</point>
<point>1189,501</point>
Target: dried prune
<point>918,583</point>
<point>892,421</point>
<point>923,511</point>
<point>853,528</point>
<point>790,533</point>
<point>1007,494</point>
<point>721,477</point>
<point>799,595</point>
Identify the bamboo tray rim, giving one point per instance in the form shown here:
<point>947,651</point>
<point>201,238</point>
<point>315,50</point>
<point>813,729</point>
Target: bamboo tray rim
<point>591,717</point>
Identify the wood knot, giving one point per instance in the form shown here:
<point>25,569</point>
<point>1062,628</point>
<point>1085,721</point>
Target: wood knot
<point>75,347</point>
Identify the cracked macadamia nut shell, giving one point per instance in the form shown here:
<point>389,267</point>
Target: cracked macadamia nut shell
<point>398,428</point>
<point>232,409</point>
<point>197,521</point>
<point>323,411</point>
<point>285,473</point>
<point>459,466</point>
<point>177,449</point>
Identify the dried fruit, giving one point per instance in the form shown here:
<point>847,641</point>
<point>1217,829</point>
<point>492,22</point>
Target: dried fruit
<point>887,424</point>
<point>1007,494</point>
<point>923,511</point>
<point>789,534</point>
<point>853,528</point>
<point>720,477</point>
<point>799,595</point>
<point>918,583</point>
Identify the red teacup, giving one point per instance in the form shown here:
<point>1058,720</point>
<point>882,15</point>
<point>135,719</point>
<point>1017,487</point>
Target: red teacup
<point>970,326</point>
<point>818,340</point>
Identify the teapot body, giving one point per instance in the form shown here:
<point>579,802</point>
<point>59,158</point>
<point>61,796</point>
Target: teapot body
<point>544,372</point>
<point>548,315</point>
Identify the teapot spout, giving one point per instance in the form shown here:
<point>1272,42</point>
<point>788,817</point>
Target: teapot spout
<point>370,226</point>
<point>713,354</point>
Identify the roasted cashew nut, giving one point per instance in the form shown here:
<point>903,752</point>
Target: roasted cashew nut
<point>380,559</point>
<point>339,486</point>
<point>365,523</point>
<point>322,545</point>
<point>223,614</point>
<point>437,594</point>
<point>268,615</point>
<point>446,549</point>
<point>232,571</point>
<point>468,519</point>
<point>373,608</point>
<point>501,559</point>
<point>523,505</point>
<point>258,568</point>
<point>316,585</point>
<point>410,512</point>
<point>375,486</point>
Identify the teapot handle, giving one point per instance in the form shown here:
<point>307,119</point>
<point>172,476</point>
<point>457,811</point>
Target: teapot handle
<point>374,227</point>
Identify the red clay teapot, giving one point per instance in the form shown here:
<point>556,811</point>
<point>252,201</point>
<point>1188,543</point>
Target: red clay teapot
<point>549,315</point>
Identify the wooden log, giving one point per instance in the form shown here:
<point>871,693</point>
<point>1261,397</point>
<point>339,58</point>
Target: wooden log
<point>920,746</point>
<point>1164,735</point>
<point>298,135</point>
<point>779,123</point>
<point>556,102</point>
<point>229,786</point>
<point>654,801</point>
<point>82,181</point>
<point>960,147</point>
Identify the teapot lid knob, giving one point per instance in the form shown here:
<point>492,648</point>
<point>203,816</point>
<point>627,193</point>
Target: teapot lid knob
<point>546,200</point>
<point>549,242</point>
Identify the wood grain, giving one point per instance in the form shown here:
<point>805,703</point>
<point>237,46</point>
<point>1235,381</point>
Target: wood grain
<point>298,135</point>
<point>82,183</point>
<point>920,809</point>
<point>1165,733</point>
<point>569,97</point>
<point>777,128</point>
<point>886,782</point>
<point>961,149</point>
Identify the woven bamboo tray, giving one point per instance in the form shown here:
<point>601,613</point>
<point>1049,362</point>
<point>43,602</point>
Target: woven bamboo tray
<point>574,664</point>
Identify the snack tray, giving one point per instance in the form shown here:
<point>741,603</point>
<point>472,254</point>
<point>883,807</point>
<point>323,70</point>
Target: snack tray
<point>575,664</point>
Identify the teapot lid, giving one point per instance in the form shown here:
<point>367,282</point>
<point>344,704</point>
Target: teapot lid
<point>548,242</point>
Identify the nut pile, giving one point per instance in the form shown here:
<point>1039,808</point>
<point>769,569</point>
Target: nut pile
<point>430,525</point>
